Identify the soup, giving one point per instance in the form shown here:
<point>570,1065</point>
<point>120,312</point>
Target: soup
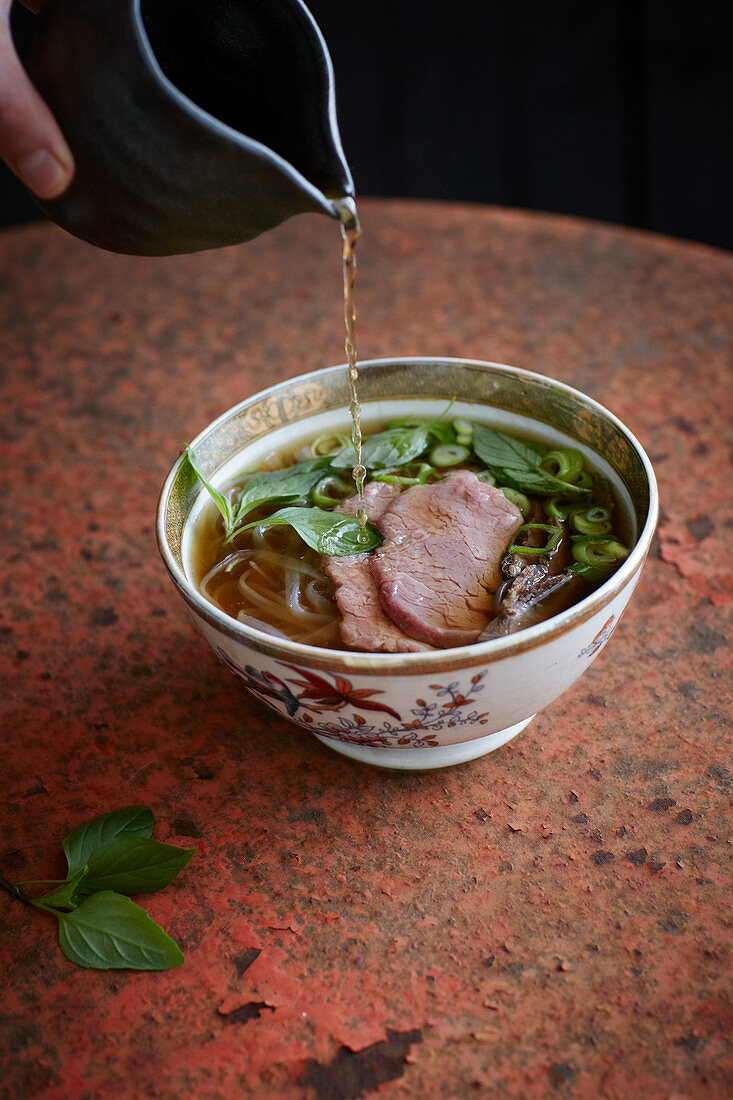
<point>470,533</point>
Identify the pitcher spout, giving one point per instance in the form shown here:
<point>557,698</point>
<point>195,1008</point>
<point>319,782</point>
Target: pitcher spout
<point>192,125</point>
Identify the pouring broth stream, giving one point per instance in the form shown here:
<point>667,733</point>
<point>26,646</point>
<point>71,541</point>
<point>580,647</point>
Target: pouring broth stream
<point>351,231</point>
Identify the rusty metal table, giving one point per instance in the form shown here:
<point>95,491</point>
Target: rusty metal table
<point>548,920</point>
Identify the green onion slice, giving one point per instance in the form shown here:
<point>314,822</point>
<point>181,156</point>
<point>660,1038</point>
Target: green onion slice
<point>554,532</point>
<point>521,501</point>
<point>588,572</point>
<point>464,432</point>
<point>487,477</point>
<point>601,553</point>
<point>555,510</point>
<point>330,490</point>
<point>592,521</point>
<point>567,464</point>
<point>448,454</point>
<point>424,471</point>
<point>330,443</point>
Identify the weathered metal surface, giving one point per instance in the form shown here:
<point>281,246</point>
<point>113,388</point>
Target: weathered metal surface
<point>549,920</point>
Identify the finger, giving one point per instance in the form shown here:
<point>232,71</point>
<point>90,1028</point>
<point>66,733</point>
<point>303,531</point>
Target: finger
<point>31,143</point>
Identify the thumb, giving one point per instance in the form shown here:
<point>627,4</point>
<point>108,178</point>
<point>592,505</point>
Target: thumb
<point>31,143</point>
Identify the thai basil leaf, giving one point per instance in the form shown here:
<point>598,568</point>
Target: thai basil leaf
<point>440,430</point>
<point>516,463</point>
<point>102,830</point>
<point>533,481</point>
<point>109,932</point>
<point>326,532</point>
<point>393,447</point>
<point>134,865</point>
<point>293,483</point>
<point>496,449</point>
<point>221,502</point>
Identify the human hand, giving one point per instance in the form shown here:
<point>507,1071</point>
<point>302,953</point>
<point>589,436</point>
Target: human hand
<point>31,143</point>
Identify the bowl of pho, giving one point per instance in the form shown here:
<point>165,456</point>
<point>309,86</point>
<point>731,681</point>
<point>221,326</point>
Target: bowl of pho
<point>414,609</point>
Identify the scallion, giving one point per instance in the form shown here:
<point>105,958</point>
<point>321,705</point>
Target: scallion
<point>519,499</point>
<point>330,443</point>
<point>448,454</point>
<point>464,432</point>
<point>554,510</point>
<point>424,471</point>
<point>601,553</point>
<point>487,477</point>
<point>567,464</point>
<point>592,521</point>
<point>330,490</point>
<point>554,532</point>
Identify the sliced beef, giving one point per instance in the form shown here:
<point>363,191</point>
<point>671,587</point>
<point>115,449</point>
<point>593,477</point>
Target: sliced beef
<point>439,565</point>
<point>378,495</point>
<point>364,624</point>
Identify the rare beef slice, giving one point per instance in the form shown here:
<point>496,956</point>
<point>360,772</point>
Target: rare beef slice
<point>364,624</point>
<point>440,562</point>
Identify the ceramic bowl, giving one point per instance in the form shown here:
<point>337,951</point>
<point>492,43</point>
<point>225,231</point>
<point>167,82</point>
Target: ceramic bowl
<point>413,710</point>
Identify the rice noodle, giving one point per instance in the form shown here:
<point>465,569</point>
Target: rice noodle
<point>270,556</point>
<point>258,624</point>
<point>257,597</point>
<point>326,634</point>
<point>270,581</point>
<point>317,600</point>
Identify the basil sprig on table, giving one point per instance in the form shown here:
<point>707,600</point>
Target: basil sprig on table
<point>110,857</point>
<point>517,463</point>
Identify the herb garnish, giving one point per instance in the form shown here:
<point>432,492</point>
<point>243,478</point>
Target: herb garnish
<point>517,463</point>
<point>395,446</point>
<point>110,857</point>
<point>266,487</point>
<point>326,532</point>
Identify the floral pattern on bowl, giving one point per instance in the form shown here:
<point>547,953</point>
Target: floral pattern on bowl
<point>316,695</point>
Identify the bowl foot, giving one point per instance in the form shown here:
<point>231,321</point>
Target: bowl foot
<point>445,756</point>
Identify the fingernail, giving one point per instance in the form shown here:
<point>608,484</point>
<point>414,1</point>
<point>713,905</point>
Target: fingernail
<point>46,176</point>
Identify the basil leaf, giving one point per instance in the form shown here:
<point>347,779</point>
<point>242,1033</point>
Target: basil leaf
<point>134,865</point>
<point>517,464</point>
<point>67,895</point>
<point>393,447</point>
<point>496,449</point>
<point>292,483</point>
<point>218,498</point>
<point>109,932</point>
<point>438,429</point>
<point>533,481</point>
<point>100,831</point>
<point>326,532</point>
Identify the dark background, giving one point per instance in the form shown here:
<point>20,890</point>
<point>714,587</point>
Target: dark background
<point>611,109</point>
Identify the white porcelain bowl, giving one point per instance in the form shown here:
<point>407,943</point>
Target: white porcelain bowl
<point>413,710</point>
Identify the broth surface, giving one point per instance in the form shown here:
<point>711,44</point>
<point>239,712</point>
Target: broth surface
<point>270,579</point>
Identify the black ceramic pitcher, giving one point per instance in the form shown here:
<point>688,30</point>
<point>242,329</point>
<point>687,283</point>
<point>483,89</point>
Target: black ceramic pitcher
<point>193,123</point>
